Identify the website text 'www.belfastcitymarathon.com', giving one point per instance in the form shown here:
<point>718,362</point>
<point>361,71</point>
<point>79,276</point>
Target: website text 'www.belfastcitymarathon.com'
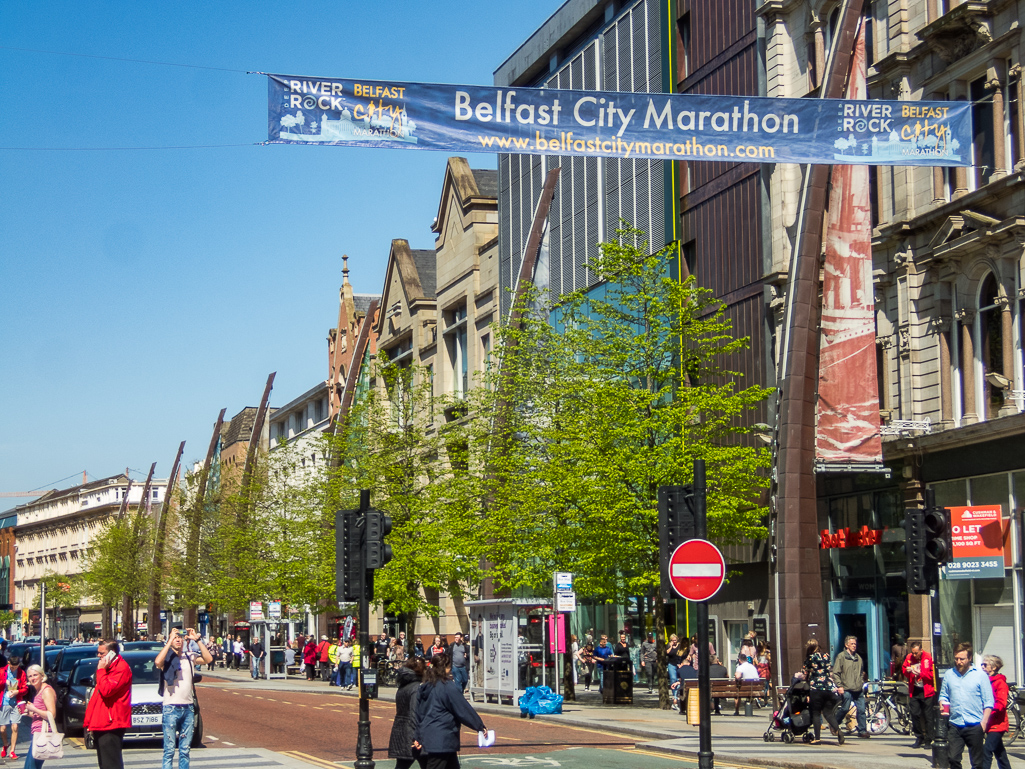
<point>567,142</point>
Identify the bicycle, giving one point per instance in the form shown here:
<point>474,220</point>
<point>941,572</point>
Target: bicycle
<point>1015,722</point>
<point>886,706</point>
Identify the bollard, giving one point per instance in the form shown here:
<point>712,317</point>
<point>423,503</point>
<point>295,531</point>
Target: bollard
<point>749,709</point>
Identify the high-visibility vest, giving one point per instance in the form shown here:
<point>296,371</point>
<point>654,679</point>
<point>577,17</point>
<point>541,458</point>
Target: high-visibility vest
<point>355,655</point>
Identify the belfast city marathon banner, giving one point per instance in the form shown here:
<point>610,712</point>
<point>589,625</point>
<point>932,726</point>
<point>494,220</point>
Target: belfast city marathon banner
<point>464,118</point>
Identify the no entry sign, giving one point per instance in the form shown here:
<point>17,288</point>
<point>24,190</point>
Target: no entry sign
<point>697,570</point>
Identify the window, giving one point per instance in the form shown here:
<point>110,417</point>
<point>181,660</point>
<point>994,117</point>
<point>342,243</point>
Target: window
<point>485,351</point>
<point>682,48</point>
<point>455,333</point>
<point>983,158</point>
<point>990,343</point>
<point>1012,117</point>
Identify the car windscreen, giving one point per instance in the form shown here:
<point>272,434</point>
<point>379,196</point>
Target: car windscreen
<point>73,654</point>
<point>84,669</point>
<point>144,671</point>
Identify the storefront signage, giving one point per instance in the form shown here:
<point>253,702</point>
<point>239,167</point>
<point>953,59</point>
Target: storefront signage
<point>863,537</point>
<point>977,536</point>
<point>657,126</point>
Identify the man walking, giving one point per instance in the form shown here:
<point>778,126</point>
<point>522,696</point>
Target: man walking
<point>237,650</point>
<point>967,695</point>
<point>918,672</point>
<point>109,712</point>
<point>460,654</point>
<point>256,653</point>
<point>324,656</point>
<point>175,662</point>
<point>849,674</point>
<point>649,657</point>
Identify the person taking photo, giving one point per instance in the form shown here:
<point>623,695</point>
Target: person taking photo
<point>176,686</point>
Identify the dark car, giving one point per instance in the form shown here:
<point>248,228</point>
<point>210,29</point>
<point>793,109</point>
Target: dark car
<point>147,706</point>
<point>136,646</point>
<point>29,654</point>
<point>66,659</point>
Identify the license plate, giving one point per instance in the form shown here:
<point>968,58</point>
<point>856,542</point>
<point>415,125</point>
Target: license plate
<point>147,720</point>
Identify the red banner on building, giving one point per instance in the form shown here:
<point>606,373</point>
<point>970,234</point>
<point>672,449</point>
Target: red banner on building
<point>848,407</point>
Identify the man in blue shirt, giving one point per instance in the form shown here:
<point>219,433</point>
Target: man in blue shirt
<point>968,696</point>
<point>602,653</point>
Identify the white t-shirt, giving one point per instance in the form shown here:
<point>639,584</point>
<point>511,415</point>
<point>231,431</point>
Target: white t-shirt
<point>181,692</point>
<point>238,647</point>
<point>747,672</point>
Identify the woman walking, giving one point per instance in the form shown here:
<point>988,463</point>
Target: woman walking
<point>310,659</point>
<point>993,747</point>
<point>441,709</point>
<point>43,707</point>
<point>586,658</point>
<point>403,729</point>
<point>674,654</point>
<point>823,690</point>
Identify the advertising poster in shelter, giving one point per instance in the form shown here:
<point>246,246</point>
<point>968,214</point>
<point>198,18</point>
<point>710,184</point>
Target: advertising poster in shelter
<point>977,536</point>
<point>500,652</point>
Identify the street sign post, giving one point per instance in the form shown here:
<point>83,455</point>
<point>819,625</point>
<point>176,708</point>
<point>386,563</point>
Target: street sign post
<point>697,570</point>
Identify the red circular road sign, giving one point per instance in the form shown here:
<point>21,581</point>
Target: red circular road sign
<point>697,570</point>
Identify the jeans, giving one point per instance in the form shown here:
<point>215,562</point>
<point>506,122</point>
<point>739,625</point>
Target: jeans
<point>346,673</point>
<point>674,675</point>
<point>180,719</point>
<point>254,666</point>
<point>31,763</point>
<point>460,675</point>
<point>858,700</point>
<point>992,748</point>
<point>958,737</point>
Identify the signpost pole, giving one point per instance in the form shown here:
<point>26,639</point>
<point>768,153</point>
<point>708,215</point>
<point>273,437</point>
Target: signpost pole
<point>705,755</point>
<point>364,744</point>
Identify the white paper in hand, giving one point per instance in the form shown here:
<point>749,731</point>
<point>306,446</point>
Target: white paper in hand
<point>486,739</point>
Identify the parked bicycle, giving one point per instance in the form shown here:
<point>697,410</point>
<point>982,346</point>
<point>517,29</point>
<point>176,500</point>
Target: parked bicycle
<point>1015,706</point>
<point>886,706</point>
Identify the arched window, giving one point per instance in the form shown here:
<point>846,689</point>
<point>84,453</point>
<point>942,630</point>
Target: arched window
<point>989,345</point>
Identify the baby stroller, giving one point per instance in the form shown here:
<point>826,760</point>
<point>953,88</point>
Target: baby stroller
<point>794,716</point>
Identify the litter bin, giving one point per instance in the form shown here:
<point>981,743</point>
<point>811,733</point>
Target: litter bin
<point>618,682</point>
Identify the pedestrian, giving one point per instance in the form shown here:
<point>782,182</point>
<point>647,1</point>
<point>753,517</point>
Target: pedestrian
<point>42,707</point>
<point>256,653</point>
<point>822,692</point>
<point>438,647</point>
<point>587,662</point>
<point>993,747</point>
<point>849,674</point>
<point>649,657</point>
<point>10,715</point>
<point>109,712</point>
<point>227,651</point>
<point>460,655</point>
<point>622,649</point>
<point>403,729</point>
<point>967,695</point>
<point>898,653</point>
<point>237,650</point>
<point>310,659</point>
<point>747,646</point>
<point>601,656</point>
<point>418,648</point>
<point>919,672</point>
<point>324,657</point>
<point>746,671</point>
<point>175,662</point>
<point>674,657</point>
<point>441,709</point>
<point>345,664</point>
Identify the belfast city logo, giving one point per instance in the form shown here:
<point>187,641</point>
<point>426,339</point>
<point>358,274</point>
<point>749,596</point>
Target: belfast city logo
<point>323,112</point>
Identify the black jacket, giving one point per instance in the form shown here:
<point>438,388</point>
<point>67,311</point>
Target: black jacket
<point>403,729</point>
<point>441,709</point>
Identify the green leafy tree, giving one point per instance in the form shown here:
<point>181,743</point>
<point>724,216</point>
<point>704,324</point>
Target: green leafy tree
<point>62,592</point>
<point>598,401</point>
<point>119,564</point>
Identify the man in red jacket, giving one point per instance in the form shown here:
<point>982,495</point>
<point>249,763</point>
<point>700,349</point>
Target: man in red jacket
<point>109,712</point>
<point>323,654</point>
<point>918,670</point>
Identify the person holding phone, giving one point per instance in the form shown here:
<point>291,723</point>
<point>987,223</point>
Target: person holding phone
<point>109,712</point>
<point>175,662</point>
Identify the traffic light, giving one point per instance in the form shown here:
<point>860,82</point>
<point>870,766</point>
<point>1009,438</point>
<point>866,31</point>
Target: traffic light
<point>676,524</point>
<point>914,550</point>
<point>938,544</point>
<point>348,556</point>
<point>378,526</point>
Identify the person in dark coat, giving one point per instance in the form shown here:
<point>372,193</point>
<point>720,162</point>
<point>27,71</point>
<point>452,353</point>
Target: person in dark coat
<point>441,709</point>
<point>403,729</point>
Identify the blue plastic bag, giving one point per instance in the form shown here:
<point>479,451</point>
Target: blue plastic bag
<point>540,700</point>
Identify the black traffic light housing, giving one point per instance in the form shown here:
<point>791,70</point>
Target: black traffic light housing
<point>376,550</point>
<point>676,524</point>
<point>348,556</point>
<point>938,543</point>
<point>914,551</point>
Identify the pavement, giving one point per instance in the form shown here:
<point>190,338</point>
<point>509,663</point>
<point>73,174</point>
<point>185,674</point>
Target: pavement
<point>735,739</point>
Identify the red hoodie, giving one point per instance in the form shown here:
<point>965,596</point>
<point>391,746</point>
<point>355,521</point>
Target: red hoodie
<point>926,676</point>
<point>110,707</point>
<point>998,720</point>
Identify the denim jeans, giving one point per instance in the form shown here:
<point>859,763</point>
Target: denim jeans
<point>254,666</point>
<point>674,674</point>
<point>30,762</point>
<point>177,719</point>
<point>858,700</point>
<point>461,676</point>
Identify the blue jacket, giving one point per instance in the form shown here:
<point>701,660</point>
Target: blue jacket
<point>441,710</point>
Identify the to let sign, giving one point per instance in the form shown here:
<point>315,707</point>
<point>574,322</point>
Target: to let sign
<point>697,570</point>
<point>977,535</point>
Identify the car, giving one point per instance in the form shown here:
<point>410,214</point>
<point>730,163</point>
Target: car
<point>29,654</point>
<point>147,705</point>
<point>62,665</point>
<point>134,646</point>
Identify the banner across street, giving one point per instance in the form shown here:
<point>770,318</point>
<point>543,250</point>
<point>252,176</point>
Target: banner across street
<point>467,118</point>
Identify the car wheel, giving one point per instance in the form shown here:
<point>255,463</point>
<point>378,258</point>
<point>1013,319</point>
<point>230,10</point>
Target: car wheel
<point>197,732</point>
<point>66,727</point>
<point>90,743</point>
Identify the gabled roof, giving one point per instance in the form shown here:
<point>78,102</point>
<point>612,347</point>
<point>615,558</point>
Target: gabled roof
<point>471,185</point>
<point>427,267</point>
<point>418,275</point>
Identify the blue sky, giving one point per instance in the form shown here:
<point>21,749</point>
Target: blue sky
<point>145,289</point>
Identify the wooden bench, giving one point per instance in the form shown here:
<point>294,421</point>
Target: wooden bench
<point>728,688</point>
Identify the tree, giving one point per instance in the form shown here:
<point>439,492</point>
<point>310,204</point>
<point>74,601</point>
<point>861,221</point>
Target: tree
<point>600,399</point>
<point>394,442</point>
<point>119,563</point>
<point>62,592</point>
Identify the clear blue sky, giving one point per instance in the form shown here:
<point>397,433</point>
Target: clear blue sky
<point>143,290</point>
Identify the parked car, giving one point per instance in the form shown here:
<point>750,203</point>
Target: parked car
<point>135,646</point>
<point>66,659</point>
<point>29,654</point>
<point>147,705</point>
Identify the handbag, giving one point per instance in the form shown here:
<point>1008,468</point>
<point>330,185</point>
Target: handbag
<point>48,744</point>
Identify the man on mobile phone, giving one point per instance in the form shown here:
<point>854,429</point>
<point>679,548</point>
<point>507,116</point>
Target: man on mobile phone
<point>109,712</point>
<point>175,662</point>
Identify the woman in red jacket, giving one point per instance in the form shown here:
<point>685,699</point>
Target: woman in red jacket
<point>997,726</point>
<point>310,656</point>
<point>109,712</point>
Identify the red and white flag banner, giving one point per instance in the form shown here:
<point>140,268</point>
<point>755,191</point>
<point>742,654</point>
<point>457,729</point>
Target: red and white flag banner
<point>848,405</point>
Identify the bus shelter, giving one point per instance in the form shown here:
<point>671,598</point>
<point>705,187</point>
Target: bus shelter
<point>509,650</point>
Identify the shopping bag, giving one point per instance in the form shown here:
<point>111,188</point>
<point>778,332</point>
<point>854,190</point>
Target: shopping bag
<point>486,740</point>
<point>48,744</point>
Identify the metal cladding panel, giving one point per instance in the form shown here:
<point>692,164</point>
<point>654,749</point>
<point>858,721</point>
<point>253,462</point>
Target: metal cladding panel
<point>592,193</point>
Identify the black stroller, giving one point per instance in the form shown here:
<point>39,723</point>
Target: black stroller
<point>794,716</point>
